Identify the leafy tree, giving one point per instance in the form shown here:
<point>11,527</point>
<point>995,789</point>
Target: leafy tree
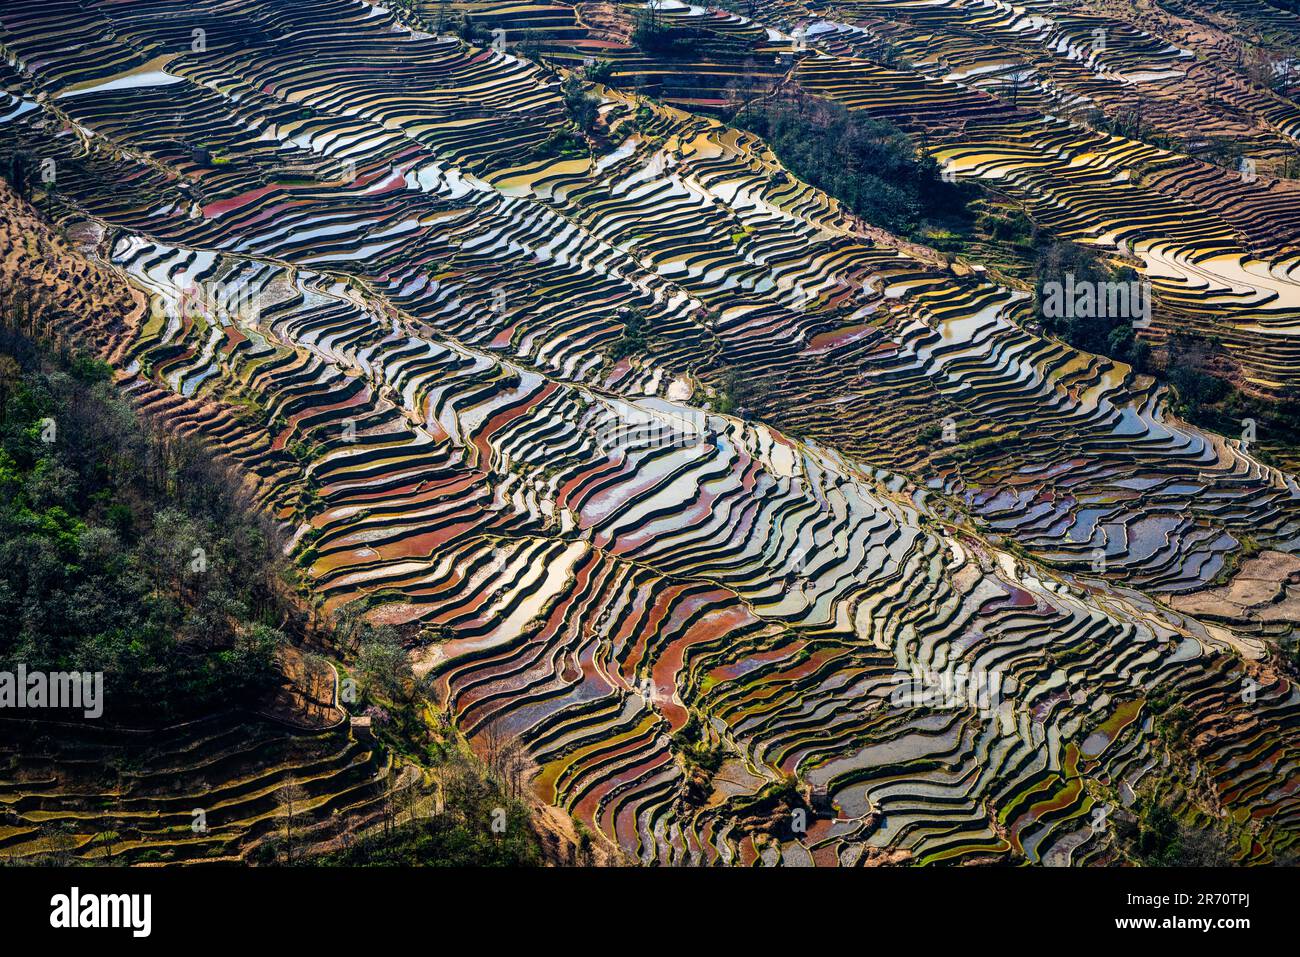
<point>479,824</point>
<point>126,550</point>
<point>869,165</point>
<point>634,338</point>
<point>582,107</point>
<point>384,663</point>
<point>1103,334</point>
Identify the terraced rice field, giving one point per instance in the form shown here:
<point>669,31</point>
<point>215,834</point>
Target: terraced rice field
<point>419,380</point>
<point>1220,247</point>
<point>231,767</point>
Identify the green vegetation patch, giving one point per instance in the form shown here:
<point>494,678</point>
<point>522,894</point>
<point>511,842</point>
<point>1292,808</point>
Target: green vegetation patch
<point>126,550</point>
<point>869,165</point>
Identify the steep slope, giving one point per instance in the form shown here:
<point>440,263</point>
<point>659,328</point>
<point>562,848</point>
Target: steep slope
<point>814,637</point>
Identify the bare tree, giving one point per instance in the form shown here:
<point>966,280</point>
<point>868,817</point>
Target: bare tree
<point>517,768</point>
<point>291,798</point>
<point>59,842</point>
<point>106,837</point>
<point>493,743</point>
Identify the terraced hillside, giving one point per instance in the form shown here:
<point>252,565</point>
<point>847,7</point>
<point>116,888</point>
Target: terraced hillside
<point>201,738</point>
<point>1163,135</point>
<point>663,461</point>
<point>233,769</point>
<point>1219,245</point>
